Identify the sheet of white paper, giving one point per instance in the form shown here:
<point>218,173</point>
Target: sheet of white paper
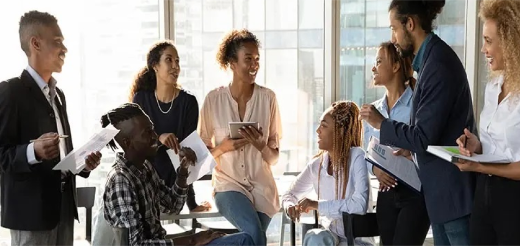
<point>205,161</point>
<point>398,166</point>
<point>75,160</point>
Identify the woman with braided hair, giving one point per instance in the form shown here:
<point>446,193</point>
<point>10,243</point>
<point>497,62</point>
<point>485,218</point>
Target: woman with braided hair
<point>338,174</point>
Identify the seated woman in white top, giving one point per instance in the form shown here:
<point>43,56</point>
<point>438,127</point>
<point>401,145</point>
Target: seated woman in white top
<point>338,175</point>
<point>495,219</point>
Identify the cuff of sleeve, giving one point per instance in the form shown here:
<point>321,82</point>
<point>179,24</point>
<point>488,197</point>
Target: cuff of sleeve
<point>370,167</point>
<point>383,137</point>
<point>31,156</point>
<point>323,207</point>
<point>182,192</point>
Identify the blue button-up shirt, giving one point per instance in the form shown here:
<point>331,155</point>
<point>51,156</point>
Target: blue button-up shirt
<point>418,60</point>
<point>399,112</point>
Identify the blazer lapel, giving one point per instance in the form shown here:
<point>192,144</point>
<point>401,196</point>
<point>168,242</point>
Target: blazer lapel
<point>35,90</point>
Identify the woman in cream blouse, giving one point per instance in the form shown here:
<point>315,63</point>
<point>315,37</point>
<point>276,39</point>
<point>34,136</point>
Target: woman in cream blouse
<point>245,190</point>
<point>495,219</point>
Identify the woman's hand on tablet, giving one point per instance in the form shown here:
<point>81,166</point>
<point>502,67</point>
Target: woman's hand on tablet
<point>253,136</point>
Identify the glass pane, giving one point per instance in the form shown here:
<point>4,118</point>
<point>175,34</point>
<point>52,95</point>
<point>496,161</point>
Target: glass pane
<point>282,15</point>
<point>291,60</point>
<point>107,41</point>
<point>364,25</point>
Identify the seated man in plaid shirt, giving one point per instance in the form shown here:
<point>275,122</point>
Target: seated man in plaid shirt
<point>135,195</point>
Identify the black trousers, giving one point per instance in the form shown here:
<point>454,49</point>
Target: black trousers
<point>402,217</point>
<point>495,219</point>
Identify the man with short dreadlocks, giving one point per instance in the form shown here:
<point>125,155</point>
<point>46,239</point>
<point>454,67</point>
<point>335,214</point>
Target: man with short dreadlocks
<point>135,195</point>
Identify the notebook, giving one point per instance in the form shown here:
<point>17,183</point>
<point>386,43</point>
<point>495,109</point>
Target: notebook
<point>452,154</point>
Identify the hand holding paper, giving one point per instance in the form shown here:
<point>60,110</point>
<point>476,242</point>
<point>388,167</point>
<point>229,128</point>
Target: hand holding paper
<point>187,158</point>
<point>204,161</point>
<point>75,160</point>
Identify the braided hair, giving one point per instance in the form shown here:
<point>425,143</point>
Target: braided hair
<point>122,113</point>
<point>347,134</point>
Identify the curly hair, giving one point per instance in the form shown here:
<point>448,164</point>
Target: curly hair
<point>146,79</point>
<point>405,63</point>
<point>231,43</point>
<point>425,10</point>
<point>348,130</point>
<point>506,13</point>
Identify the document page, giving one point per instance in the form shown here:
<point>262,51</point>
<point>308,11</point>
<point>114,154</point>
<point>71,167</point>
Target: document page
<point>75,160</point>
<point>397,166</point>
<point>205,161</point>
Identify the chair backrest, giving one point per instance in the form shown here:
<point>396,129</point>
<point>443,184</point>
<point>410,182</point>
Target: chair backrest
<point>359,226</point>
<point>86,197</point>
<point>121,237</point>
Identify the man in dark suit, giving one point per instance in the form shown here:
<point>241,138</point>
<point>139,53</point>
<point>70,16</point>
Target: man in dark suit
<point>38,203</point>
<point>442,108</point>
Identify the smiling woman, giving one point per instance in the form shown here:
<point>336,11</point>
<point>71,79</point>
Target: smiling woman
<point>245,190</point>
<point>173,110</point>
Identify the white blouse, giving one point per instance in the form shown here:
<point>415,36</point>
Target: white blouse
<point>500,123</point>
<point>330,209</point>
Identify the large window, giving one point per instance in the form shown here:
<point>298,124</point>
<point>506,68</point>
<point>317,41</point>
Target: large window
<point>291,33</point>
<point>107,41</point>
<point>364,25</point>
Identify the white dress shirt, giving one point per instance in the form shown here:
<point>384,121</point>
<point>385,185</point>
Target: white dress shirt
<point>500,123</point>
<point>49,90</point>
<point>329,208</point>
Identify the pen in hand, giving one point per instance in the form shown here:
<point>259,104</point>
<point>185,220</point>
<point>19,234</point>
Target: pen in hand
<point>42,139</point>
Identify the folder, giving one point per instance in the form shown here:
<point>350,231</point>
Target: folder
<point>452,154</point>
<point>398,167</point>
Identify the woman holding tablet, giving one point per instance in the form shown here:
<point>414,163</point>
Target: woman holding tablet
<point>245,190</point>
<point>495,219</point>
<point>401,211</point>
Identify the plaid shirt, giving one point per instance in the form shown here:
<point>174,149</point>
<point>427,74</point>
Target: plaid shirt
<point>131,193</point>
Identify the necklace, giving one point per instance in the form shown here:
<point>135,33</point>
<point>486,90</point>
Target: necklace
<point>159,106</point>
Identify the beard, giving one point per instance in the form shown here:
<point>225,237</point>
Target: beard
<point>406,50</point>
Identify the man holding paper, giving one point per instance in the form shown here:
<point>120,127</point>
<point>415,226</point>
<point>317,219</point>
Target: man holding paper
<point>38,203</point>
<point>441,108</point>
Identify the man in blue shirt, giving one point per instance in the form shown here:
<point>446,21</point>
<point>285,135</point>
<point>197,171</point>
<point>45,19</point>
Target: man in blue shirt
<point>441,109</point>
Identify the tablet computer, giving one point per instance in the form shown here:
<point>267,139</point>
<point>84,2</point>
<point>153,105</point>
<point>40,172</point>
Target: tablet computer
<point>235,126</point>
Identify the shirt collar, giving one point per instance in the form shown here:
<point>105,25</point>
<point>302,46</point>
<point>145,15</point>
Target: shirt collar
<point>39,80</point>
<point>124,164</point>
<point>418,60</point>
<point>404,99</point>
<point>499,80</point>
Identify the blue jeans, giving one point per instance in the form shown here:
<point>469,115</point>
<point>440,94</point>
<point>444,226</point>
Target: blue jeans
<point>242,239</point>
<point>455,232</point>
<point>240,212</point>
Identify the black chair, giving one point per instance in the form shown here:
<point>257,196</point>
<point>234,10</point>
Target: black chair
<point>305,228</point>
<point>360,226</point>
<point>121,237</point>
<point>86,196</point>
